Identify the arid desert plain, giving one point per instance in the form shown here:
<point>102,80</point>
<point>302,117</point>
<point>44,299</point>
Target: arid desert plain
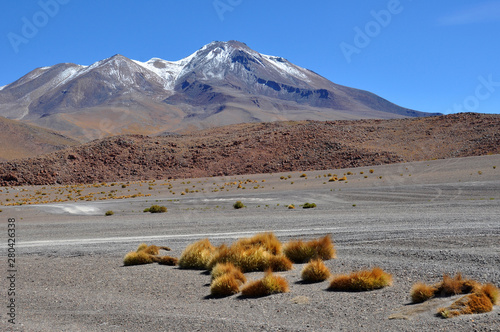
<point>416,220</point>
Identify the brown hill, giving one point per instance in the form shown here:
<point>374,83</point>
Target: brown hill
<point>262,148</point>
<point>20,140</point>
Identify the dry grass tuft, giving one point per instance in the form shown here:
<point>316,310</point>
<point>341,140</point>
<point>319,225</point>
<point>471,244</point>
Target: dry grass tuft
<point>457,285</point>
<point>258,253</point>
<point>279,263</point>
<point>268,241</point>
<point>137,258</point>
<point>448,287</point>
<point>480,298</point>
<point>166,260</point>
<point>141,247</point>
<point>152,249</point>
<point>361,281</point>
<point>492,292</point>
<point>225,285</point>
<point>270,284</point>
<point>475,303</point>
<point>315,271</point>
<point>250,260</point>
<point>299,251</point>
<point>421,292</point>
<point>147,254</point>
<point>197,255</point>
<point>228,268</point>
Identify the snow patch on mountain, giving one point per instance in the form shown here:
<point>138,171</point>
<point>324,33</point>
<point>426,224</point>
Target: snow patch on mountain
<point>66,76</point>
<point>285,67</point>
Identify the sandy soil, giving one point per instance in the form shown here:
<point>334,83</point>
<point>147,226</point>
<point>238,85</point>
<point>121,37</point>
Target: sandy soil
<point>415,220</point>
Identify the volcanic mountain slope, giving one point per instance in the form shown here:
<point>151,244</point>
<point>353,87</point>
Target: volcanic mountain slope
<point>19,140</point>
<point>262,148</point>
<point>222,83</point>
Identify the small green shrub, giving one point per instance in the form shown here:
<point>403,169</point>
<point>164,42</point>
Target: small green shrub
<point>109,213</point>
<point>309,205</point>
<point>238,205</point>
<point>156,209</point>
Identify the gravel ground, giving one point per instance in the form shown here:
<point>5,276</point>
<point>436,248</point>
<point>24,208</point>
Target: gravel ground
<point>70,275</point>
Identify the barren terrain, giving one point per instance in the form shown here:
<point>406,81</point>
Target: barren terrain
<point>261,148</point>
<point>416,220</point>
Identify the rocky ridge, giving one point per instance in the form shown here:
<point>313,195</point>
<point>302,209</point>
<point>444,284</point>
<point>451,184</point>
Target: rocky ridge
<point>261,148</point>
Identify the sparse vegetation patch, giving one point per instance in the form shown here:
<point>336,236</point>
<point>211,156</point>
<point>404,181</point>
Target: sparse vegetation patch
<point>148,254</point>
<point>197,255</point>
<point>480,298</point>
<point>309,205</point>
<point>315,271</point>
<point>299,251</point>
<point>361,281</point>
<point>270,284</point>
<point>238,205</point>
<point>156,209</point>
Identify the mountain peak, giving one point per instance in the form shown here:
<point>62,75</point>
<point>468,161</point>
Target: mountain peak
<point>221,83</point>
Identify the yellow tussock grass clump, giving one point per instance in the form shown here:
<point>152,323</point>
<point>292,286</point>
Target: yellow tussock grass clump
<point>361,281</point>
<point>315,271</point>
<point>278,263</point>
<point>457,285</point>
<point>421,292</point>
<point>299,251</point>
<point>146,255</point>
<point>166,260</point>
<point>268,241</point>
<point>141,247</point>
<point>197,255</point>
<point>227,268</point>
<point>137,258</point>
<point>492,292</point>
<point>258,253</point>
<point>480,298</point>
<point>250,260</point>
<point>152,249</point>
<point>447,287</point>
<point>270,284</point>
<point>475,303</point>
<point>225,285</point>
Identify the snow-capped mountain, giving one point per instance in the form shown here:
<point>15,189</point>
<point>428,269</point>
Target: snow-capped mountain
<point>222,83</point>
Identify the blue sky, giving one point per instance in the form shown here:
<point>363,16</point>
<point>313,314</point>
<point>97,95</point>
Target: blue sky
<point>433,56</point>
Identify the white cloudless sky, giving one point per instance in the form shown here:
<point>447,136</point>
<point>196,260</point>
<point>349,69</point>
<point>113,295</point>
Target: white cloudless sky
<point>432,56</point>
